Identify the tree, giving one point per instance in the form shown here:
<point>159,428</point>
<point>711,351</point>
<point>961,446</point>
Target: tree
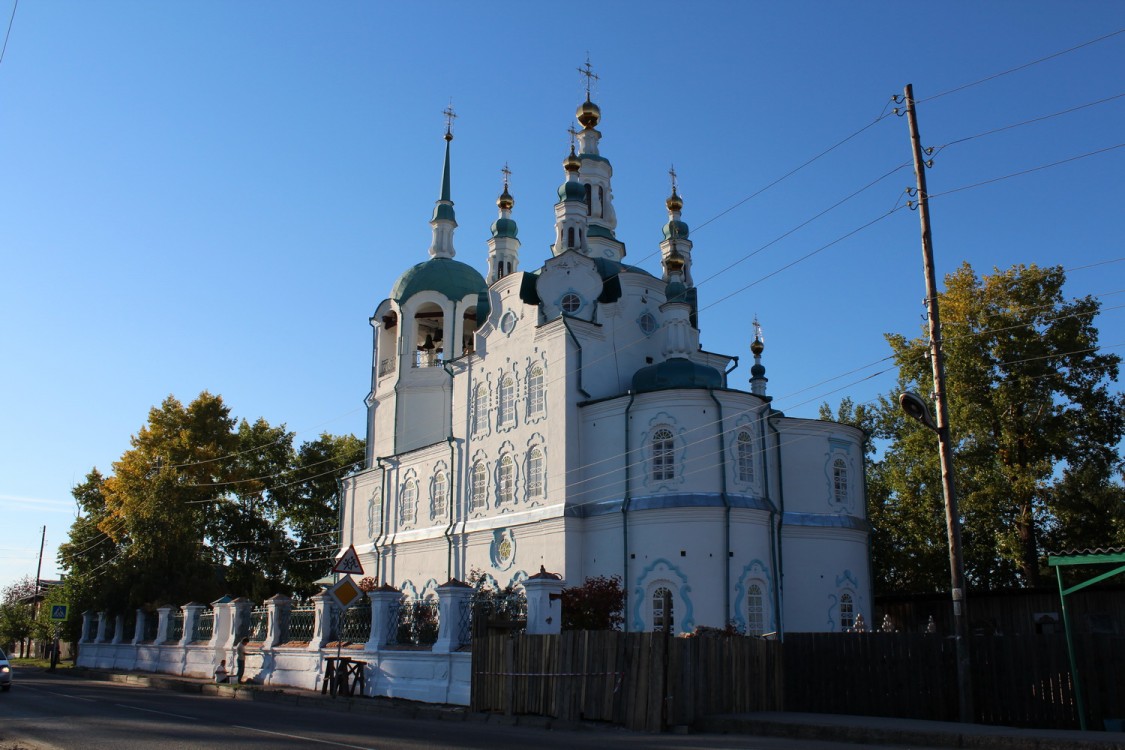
<point>1036,433</point>
<point>598,604</point>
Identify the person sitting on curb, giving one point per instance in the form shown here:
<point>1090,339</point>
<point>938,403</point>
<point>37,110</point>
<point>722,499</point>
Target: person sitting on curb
<point>221,675</point>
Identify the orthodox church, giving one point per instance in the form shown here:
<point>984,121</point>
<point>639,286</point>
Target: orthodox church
<point>566,416</point>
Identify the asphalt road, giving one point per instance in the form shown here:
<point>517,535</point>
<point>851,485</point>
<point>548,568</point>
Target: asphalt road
<point>45,712</point>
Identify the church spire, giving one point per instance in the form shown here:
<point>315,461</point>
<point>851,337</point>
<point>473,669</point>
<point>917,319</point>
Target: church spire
<point>504,245</point>
<point>758,377</point>
<point>444,220</point>
<point>676,232</point>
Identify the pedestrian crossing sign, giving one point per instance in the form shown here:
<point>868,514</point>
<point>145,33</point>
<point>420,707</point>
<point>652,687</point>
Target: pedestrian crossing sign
<point>348,563</point>
<point>59,611</point>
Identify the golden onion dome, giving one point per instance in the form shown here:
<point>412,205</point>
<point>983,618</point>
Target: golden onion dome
<point>757,347</point>
<point>572,163</point>
<point>674,202</point>
<point>588,114</point>
<point>505,201</point>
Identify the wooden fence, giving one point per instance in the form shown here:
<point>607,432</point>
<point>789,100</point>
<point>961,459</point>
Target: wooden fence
<point>643,681</point>
<point>649,682</point>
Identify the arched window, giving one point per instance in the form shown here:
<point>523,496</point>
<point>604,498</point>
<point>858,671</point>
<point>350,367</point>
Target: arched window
<point>840,480</point>
<point>507,480</point>
<point>479,501</point>
<point>408,501</point>
<point>755,610</point>
<point>507,407</point>
<point>535,384</point>
<point>847,612</point>
<point>662,609</point>
<point>535,473</point>
<point>663,455</point>
<point>745,457</point>
<point>441,492</point>
<point>480,408</point>
<point>570,237</point>
<point>601,201</point>
<point>589,203</point>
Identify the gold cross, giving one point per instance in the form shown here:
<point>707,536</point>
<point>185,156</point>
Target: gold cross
<point>507,174</point>
<point>450,116</point>
<point>590,75</point>
<point>672,174</point>
<point>573,135</point>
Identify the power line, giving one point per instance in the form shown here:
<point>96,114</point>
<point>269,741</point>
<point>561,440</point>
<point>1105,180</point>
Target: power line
<point>1020,67</point>
<point>8,33</point>
<point>1027,171</point>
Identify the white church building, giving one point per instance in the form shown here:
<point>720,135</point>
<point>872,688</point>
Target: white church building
<point>557,410</point>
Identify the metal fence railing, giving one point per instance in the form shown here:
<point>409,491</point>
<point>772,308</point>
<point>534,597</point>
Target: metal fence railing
<point>110,628</point>
<point>259,624</point>
<point>176,627</point>
<point>413,623</point>
<point>129,628</point>
<point>151,623</point>
<point>203,627</point>
<point>355,623</point>
<point>299,625</point>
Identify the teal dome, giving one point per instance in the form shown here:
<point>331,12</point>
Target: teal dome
<point>450,278</point>
<point>444,211</point>
<point>680,227</point>
<point>504,228</point>
<point>758,370</point>
<point>572,191</point>
<point>676,372</point>
<point>676,292</point>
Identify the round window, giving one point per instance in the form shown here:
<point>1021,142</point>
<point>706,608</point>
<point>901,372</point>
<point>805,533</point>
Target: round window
<point>571,303</point>
<point>647,323</point>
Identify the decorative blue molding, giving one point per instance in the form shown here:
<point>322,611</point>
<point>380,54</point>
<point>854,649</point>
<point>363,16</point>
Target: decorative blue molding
<point>672,500</point>
<point>687,624</point>
<point>754,572</point>
<point>825,520</point>
<point>502,551</point>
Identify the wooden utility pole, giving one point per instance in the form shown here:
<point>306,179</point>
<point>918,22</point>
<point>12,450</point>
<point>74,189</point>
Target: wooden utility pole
<point>945,444</point>
<point>39,571</point>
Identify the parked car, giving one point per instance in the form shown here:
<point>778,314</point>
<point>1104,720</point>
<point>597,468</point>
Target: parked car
<point>5,672</point>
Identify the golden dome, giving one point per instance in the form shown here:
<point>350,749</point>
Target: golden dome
<point>674,202</point>
<point>572,163</point>
<point>588,114</point>
<point>505,201</point>
<point>757,347</point>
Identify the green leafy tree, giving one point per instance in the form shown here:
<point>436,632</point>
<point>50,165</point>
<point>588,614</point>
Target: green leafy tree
<point>598,604</point>
<point>1036,432</point>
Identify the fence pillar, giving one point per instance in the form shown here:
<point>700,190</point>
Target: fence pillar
<point>222,626</point>
<point>544,605</point>
<point>240,618</point>
<point>383,600</point>
<point>102,617</point>
<point>277,610</point>
<point>322,628</point>
<point>139,626</point>
<point>118,629</point>
<point>191,616</point>
<point>453,618</point>
<point>88,617</point>
<point>164,623</point>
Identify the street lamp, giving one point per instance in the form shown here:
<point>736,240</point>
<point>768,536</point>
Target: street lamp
<point>917,408</point>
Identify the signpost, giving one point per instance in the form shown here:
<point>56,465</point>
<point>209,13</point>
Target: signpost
<point>59,613</point>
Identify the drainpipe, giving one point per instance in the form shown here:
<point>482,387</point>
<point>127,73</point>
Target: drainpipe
<point>449,508</point>
<point>726,507</point>
<point>778,573</point>
<point>625,513</point>
<point>729,370</point>
<point>566,324</point>
<point>382,537</point>
<point>340,519</point>
<point>870,568</point>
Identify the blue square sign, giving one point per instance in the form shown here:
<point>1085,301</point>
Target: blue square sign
<point>58,611</point>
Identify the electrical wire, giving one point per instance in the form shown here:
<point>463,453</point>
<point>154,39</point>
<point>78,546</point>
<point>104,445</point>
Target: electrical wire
<point>1026,171</point>
<point>994,76</point>
<point>8,33</point>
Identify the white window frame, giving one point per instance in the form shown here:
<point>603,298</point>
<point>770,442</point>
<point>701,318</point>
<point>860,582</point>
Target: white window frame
<point>536,387</point>
<point>840,480</point>
<point>408,501</point>
<point>658,613</point>
<point>847,611</point>
<point>506,402</point>
<point>506,480</point>
<point>440,495</point>
<point>663,446</point>
<point>536,473</point>
<point>480,409</point>
<point>755,609</point>
<point>745,451</point>
<point>478,500</point>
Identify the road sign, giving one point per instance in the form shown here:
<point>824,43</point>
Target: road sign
<point>348,563</point>
<point>345,592</point>
<point>59,611</point>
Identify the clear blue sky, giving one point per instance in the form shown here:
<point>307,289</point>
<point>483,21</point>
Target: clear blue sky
<point>205,195</point>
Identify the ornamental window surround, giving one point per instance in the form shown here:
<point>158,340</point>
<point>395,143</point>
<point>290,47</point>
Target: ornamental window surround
<point>840,480</point>
<point>535,386</point>
<point>507,480</point>
<point>571,303</point>
<point>745,456</point>
<point>535,473</point>
<point>506,411</point>
<point>478,499</point>
<point>663,455</point>
<point>847,612</point>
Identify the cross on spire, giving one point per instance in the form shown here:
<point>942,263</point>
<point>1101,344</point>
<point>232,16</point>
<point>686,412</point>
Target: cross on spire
<point>573,134</point>
<point>507,174</point>
<point>450,116</point>
<point>590,76</point>
<point>672,174</point>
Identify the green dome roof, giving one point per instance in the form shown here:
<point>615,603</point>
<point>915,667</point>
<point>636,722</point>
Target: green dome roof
<point>680,227</point>
<point>446,276</point>
<point>572,191</point>
<point>676,372</point>
<point>758,370</point>
<point>504,228</point>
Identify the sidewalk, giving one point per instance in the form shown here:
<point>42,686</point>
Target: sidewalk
<point>867,730</point>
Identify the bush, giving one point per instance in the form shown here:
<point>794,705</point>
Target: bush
<point>598,604</point>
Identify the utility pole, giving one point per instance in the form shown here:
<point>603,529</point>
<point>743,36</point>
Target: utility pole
<point>945,444</point>
<point>39,570</point>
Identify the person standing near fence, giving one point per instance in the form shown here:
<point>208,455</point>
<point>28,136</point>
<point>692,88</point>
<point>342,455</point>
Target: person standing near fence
<point>240,659</point>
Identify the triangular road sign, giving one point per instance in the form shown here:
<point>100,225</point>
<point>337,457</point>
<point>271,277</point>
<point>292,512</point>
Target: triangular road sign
<point>348,563</point>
